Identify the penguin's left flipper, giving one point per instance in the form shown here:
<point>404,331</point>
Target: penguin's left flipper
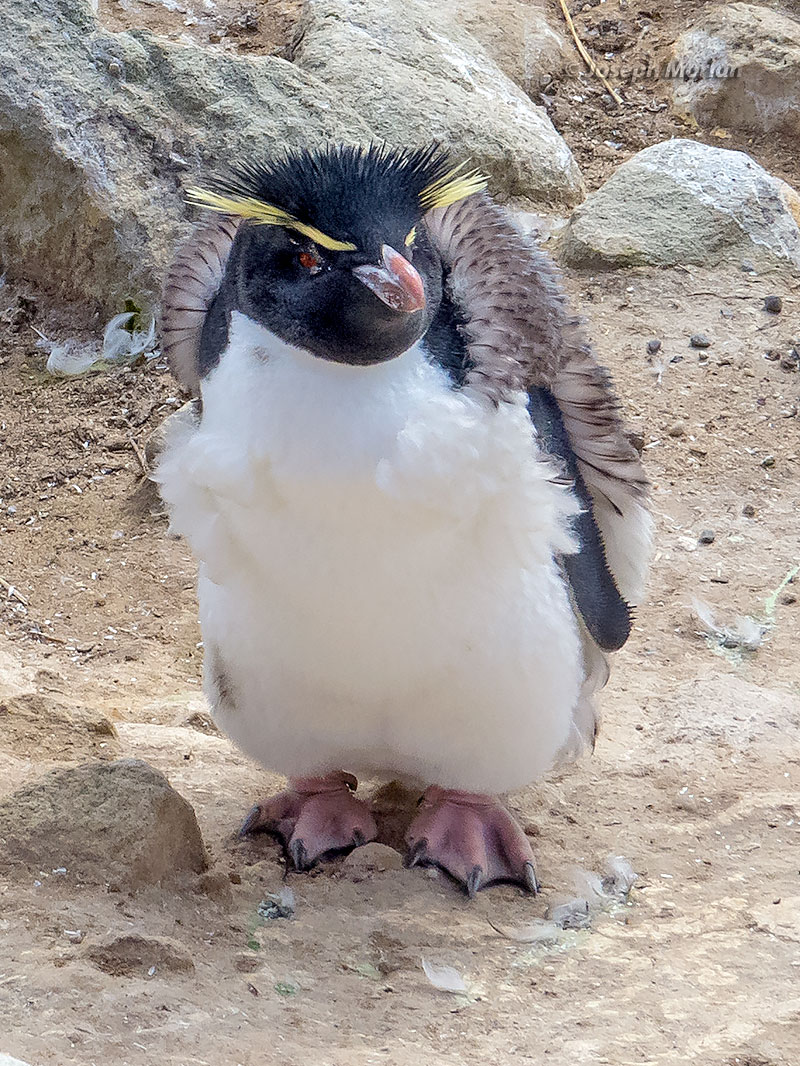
<point>605,613</point>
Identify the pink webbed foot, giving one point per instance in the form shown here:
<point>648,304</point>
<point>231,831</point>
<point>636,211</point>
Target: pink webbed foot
<point>472,838</point>
<point>314,817</point>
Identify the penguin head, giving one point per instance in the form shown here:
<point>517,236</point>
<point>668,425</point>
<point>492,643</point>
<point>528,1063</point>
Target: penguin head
<point>333,255</point>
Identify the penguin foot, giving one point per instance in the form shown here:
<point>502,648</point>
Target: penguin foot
<point>314,817</point>
<point>472,838</point>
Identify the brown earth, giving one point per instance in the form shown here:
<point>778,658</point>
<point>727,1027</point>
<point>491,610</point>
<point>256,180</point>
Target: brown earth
<point>694,779</point>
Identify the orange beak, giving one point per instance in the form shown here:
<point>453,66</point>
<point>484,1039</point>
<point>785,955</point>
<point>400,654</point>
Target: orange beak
<point>396,282</point>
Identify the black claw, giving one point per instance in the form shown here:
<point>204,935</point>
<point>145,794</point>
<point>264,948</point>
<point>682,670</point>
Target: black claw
<point>474,880</point>
<point>416,854</point>
<point>530,879</point>
<point>358,838</point>
<point>296,851</point>
<point>251,822</point>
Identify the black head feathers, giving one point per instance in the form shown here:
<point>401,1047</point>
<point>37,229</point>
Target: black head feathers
<point>345,198</point>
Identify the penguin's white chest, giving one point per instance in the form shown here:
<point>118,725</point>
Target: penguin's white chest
<point>378,590</point>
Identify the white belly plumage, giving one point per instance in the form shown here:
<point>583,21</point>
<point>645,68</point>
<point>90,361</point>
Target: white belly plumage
<point>377,585</point>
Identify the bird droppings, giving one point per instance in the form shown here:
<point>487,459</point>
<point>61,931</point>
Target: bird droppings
<point>743,634</point>
<point>277,905</point>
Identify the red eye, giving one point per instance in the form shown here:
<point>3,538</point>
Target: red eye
<point>309,261</point>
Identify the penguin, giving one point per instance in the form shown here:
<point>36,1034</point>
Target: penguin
<point>420,527</point>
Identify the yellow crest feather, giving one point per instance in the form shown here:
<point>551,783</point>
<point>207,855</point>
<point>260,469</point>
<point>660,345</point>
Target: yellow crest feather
<point>455,185</point>
<point>265,215</point>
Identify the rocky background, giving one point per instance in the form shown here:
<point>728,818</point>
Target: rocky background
<point>134,926</point>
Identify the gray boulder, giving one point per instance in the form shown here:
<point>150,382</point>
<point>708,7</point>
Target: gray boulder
<point>762,47</point>
<point>684,202</point>
<point>516,34</point>
<point>97,130</point>
<point>118,823</point>
<point>415,75</point>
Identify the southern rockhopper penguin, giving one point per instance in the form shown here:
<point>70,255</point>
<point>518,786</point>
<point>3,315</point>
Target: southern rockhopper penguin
<point>418,521</point>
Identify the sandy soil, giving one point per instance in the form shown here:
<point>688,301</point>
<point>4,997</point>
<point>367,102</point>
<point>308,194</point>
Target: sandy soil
<point>694,779</point>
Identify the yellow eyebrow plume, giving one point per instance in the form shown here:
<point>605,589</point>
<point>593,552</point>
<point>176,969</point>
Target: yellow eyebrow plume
<point>265,215</point>
<point>455,185</point>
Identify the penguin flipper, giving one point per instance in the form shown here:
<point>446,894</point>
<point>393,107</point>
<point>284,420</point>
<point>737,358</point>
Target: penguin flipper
<point>190,292</point>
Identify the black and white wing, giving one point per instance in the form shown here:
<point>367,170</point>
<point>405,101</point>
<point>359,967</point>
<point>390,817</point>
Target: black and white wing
<point>506,300</point>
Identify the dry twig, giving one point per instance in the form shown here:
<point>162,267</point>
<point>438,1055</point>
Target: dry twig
<point>590,63</point>
<point>13,592</point>
<point>143,463</point>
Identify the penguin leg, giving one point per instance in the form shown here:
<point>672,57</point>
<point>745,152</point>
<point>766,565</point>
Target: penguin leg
<point>315,816</point>
<point>472,838</point>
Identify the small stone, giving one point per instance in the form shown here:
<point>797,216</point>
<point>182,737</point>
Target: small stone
<point>789,598</point>
<point>203,723</point>
<point>700,340</point>
<point>772,354</point>
<point>115,68</point>
<point>677,429</point>
<point>247,963</point>
<point>748,267</point>
<point>749,510</point>
<point>654,346</point>
<point>773,303</point>
<point>708,536</point>
<point>110,823</point>
<point>636,437</point>
<point>768,460</point>
<point>133,955</point>
<point>377,857</point>
<point>789,362</point>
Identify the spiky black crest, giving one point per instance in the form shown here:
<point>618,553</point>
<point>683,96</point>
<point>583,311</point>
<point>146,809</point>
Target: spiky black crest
<point>351,196</point>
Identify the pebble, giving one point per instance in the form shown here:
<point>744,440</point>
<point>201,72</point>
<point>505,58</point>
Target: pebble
<point>748,266</point>
<point>772,354</point>
<point>654,346</point>
<point>132,955</point>
<point>789,598</point>
<point>677,429</point>
<point>700,340</point>
<point>749,510</point>
<point>773,303</point>
<point>378,857</point>
<point>790,362</point>
<point>708,536</point>
<point>768,460</point>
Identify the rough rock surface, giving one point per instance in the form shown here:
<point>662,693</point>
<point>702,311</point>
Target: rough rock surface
<point>97,128</point>
<point>118,823</point>
<point>417,75</point>
<point>684,202</point>
<point>517,35</point>
<point>763,47</point>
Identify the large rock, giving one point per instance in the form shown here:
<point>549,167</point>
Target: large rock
<point>118,823</point>
<point>683,202</point>
<point>741,69</point>
<point>97,129</point>
<point>418,75</point>
<point>516,34</point>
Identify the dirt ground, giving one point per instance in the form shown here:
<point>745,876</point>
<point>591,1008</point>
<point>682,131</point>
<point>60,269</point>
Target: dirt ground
<point>694,779</point>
